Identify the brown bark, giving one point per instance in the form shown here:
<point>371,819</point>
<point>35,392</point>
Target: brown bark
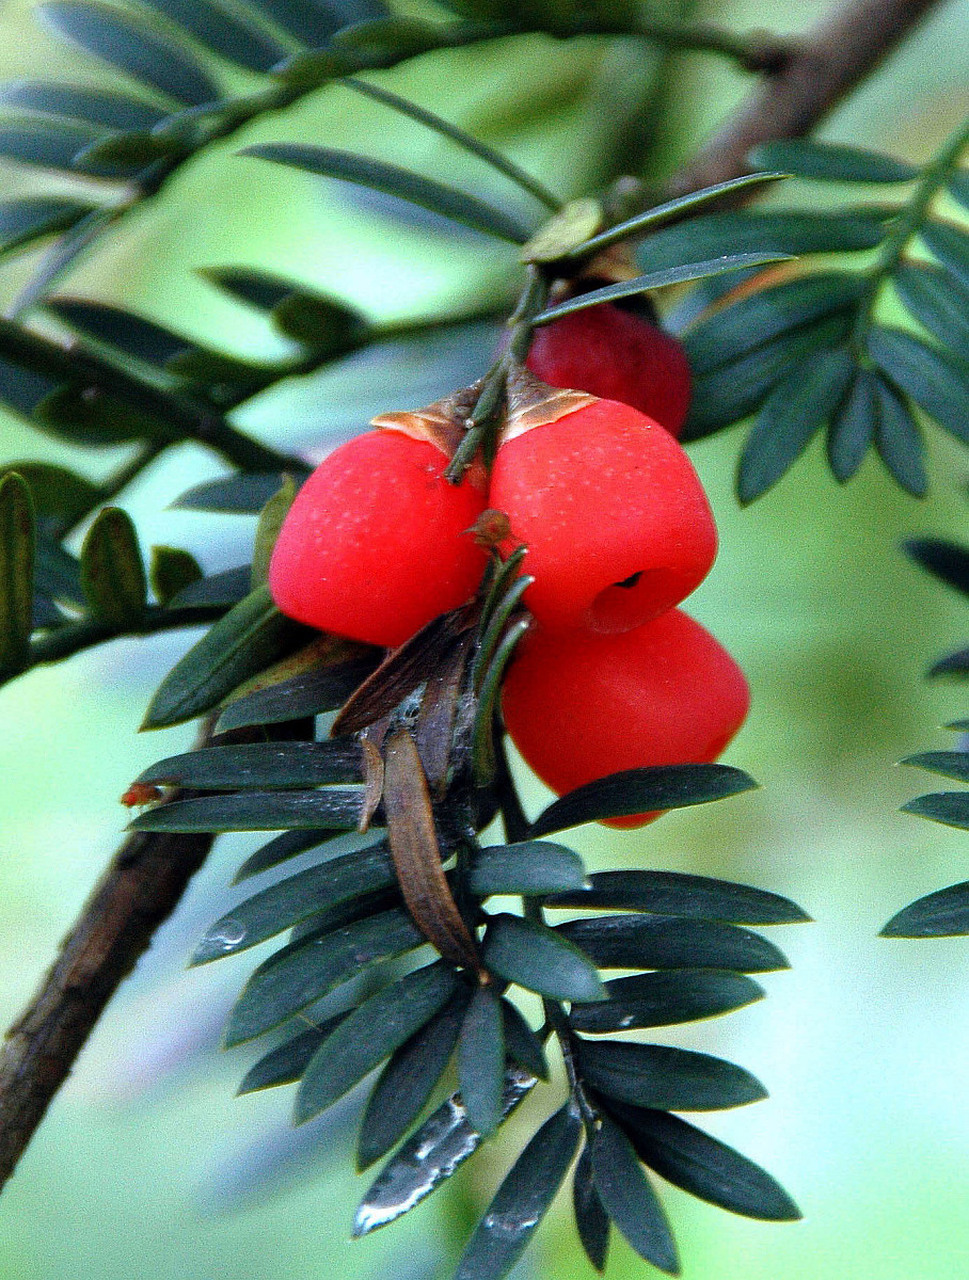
<point>818,72</point>
<point>138,891</point>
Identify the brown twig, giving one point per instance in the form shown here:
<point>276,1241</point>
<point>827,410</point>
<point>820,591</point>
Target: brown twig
<point>138,891</point>
<point>819,71</point>
<point>150,872</point>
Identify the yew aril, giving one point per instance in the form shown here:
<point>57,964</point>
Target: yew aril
<point>615,355</point>
<point>377,542</point>
<point>616,522</point>
<point>580,706</point>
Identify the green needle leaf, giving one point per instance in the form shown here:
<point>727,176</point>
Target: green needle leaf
<point>705,1167</point>
<point>677,893</point>
<point>310,968</point>
<point>832,162</point>
<point>948,807</point>
<point>481,1061</point>
<point>659,280</point>
<point>935,380</point>
<point>431,121</point>
<point>438,1148</point>
<point>665,999</point>
<point>670,210</point>
<point>261,765</point>
<point>662,1077</point>
<point>951,246</point>
<point>112,571</point>
<point>134,48</point>
<point>409,1079</point>
<point>792,413</point>
<point>16,573</point>
<point>171,570</point>
<point>502,1234</point>
<point>899,440</point>
<point>669,942</point>
<point>267,529</point>
<point>25,220</point>
<point>247,639</point>
<point>944,914</point>
<point>635,791</point>
<point>948,561</point>
<point>371,1033</point>
<point>628,1198</point>
<point>591,1219</point>
<point>539,959</point>
<point>295,899</point>
<point>533,867</point>
<point>394,181</point>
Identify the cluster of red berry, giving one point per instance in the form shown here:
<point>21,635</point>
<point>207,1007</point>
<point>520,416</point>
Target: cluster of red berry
<point>617,528</point>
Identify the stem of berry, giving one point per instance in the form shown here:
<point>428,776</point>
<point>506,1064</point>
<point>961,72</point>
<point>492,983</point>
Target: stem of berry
<point>482,423</point>
<point>516,828</point>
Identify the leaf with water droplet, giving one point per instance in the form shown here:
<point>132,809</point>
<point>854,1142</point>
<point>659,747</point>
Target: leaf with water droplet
<point>503,1233</point>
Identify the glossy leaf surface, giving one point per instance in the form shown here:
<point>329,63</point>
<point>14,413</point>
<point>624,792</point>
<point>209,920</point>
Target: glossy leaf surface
<point>309,969</point>
<point>408,1080</point>
<point>438,1148</point>
<point>371,1033</point>
<point>540,959</point>
<point>628,1198</point>
<point>640,791</point>
<point>662,1077</point>
<point>678,893</point>
<point>256,811</point>
<point>260,765</point>
<point>502,1234</point>
<point>665,998</point>
<point>289,901</point>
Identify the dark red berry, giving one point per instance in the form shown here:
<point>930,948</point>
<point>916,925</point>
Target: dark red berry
<point>580,706</point>
<point>615,355</point>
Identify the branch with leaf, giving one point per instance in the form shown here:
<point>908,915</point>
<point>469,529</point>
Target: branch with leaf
<point>431,770</point>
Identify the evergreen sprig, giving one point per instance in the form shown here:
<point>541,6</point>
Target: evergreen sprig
<point>410,906</point>
<point>810,352</point>
<point>944,913</point>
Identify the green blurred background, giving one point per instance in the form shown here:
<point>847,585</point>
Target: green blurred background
<point>147,1166</point>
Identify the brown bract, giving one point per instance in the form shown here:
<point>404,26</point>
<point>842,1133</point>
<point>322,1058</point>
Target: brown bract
<point>442,424</point>
<point>533,403</point>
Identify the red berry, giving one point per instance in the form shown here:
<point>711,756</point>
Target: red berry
<point>580,706</point>
<point>615,519</point>
<point>375,544</point>
<point>615,355</point>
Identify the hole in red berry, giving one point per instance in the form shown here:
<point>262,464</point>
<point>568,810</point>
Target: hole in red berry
<point>631,602</point>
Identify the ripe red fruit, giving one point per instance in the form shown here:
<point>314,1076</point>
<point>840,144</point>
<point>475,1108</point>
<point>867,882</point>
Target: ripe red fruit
<point>615,355</point>
<point>580,706</point>
<point>375,544</point>
<point>615,519</point>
